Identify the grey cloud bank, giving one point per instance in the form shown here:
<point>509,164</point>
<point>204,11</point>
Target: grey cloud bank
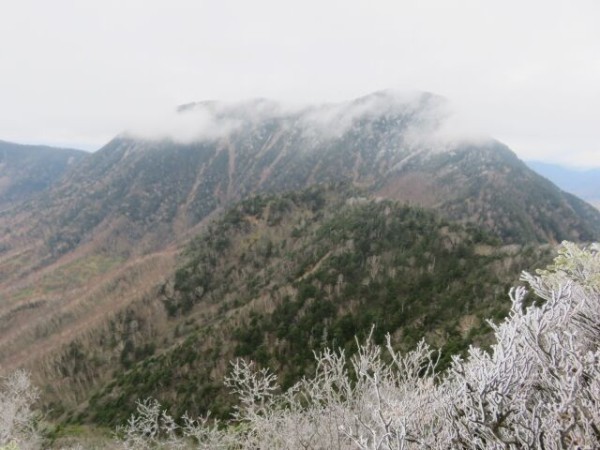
<point>426,120</point>
<point>78,73</point>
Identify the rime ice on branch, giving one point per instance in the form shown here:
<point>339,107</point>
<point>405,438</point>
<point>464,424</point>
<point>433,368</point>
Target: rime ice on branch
<point>538,387</point>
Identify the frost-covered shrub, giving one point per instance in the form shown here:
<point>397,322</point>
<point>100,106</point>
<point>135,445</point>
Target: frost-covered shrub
<point>538,387</point>
<point>17,417</point>
<point>153,428</point>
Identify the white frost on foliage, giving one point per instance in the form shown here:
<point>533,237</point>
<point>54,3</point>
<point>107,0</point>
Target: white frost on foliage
<point>17,417</point>
<point>539,387</point>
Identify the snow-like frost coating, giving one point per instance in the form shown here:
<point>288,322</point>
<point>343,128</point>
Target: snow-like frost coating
<point>538,387</point>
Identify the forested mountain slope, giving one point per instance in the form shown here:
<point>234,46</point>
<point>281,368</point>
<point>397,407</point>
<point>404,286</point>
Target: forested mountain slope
<point>279,277</point>
<point>92,284</point>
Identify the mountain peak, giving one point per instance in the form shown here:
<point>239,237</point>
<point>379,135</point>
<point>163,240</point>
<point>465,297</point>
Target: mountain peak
<point>103,237</point>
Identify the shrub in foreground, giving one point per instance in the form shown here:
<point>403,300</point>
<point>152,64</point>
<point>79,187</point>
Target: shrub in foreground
<point>538,386</point>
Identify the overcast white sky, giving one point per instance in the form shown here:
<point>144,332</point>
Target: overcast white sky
<point>76,73</point>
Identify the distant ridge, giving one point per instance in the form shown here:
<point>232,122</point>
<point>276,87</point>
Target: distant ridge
<point>26,170</point>
<point>583,183</point>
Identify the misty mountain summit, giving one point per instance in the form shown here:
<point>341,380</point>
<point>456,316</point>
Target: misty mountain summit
<point>393,146</point>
